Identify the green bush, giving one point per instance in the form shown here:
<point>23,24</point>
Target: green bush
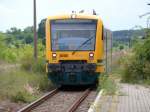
<point>39,65</point>
<point>121,47</point>
<point>136,67</point>
<point>132,71</point>
<point>8,55</point>
<point>146,70</point>
<point>30,64</point>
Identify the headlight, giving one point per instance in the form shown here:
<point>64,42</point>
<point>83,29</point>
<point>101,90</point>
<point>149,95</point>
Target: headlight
<point>91,55</point>
<point>54,55</point>
<point>73,16</point>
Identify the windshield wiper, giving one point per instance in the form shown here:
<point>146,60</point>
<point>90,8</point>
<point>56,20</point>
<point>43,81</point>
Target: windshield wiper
<point>83,44</point>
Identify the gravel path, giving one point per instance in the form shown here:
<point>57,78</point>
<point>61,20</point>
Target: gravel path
<point>85,105</point>
<point>60,102</point>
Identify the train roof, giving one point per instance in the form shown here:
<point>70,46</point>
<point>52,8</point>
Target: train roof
<point>75,15</point>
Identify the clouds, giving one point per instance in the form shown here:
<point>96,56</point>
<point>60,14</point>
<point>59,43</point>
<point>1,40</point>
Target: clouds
<point>116,14</point>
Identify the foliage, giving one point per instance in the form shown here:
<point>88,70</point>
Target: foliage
<point>107,84</point>
<point>136,67</point>
<point>29,63</point>
<point>14,41</point>
<point>142,50</point>
<point>25,82</point>
<point>21,53</point>
<point>127,38</point>
<point>121,47</point>
<point>6,53</point>
<point>25,36</point>
<point>22,96</point>
<point>124,35</point>
<point>41,30</point>
<point>22,86</point>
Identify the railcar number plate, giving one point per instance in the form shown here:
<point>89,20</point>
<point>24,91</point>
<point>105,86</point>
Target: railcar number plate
<point>63,55</point>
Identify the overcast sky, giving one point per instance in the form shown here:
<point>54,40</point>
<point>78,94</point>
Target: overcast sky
<point>116,14</point>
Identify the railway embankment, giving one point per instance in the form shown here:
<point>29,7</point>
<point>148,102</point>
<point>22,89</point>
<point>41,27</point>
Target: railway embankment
<point>19,87</point>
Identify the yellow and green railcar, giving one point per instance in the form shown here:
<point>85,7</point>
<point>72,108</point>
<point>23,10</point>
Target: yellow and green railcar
<point>74,49</point>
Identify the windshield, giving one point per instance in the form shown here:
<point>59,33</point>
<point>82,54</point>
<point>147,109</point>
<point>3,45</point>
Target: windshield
<point>69,35</point>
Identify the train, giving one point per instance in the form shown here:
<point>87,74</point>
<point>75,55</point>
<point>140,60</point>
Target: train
<point>77,48</point>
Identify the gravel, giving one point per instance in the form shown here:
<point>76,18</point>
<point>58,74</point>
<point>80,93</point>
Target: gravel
<point>8,106</point>
<point>61,102</point>
<point>85,105</point>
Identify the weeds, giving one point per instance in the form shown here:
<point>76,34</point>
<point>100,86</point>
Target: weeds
<point>108,84</point>
<point>30,64</point>
<point>22,86</point>
<point>22,96</point>
<point>136,67</point>
<point>28,79</point>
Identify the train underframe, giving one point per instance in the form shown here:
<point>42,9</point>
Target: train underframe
<point>73,73</point>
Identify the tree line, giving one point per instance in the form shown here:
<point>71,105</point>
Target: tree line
<point>16,36</point>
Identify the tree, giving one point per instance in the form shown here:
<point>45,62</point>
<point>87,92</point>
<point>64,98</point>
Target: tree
<point>28,29</point>
<point>41,29</point>
<point>28,37</point>
<point>13,31</point>
<point>28,34</point>
<point>121,47</point>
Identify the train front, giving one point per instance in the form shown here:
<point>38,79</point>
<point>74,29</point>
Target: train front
<point>74,49</point>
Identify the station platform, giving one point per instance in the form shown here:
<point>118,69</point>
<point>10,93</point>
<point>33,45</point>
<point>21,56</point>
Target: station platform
<point>130,98</point>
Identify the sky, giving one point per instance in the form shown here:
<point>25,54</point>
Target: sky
<point>116,14</point>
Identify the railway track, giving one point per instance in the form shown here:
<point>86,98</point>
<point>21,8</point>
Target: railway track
<point>39,101</point>
<point>80,97</point>
<point>78,102</point>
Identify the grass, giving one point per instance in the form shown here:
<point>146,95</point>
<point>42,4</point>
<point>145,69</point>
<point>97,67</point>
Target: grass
<point>136,63</point>
<point>22,79</point>
<point>146,82</point>
<point>107,84</point>
<point>22,86</point>
<point>135,71</point>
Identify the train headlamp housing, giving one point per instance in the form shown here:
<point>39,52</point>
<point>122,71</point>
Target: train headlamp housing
<point>73,16</point>
<point>54,55</point>
<point>91,55</point>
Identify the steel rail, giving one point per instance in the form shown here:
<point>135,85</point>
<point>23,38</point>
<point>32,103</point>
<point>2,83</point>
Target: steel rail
<point>39,101</point>
<point>79,101</point>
